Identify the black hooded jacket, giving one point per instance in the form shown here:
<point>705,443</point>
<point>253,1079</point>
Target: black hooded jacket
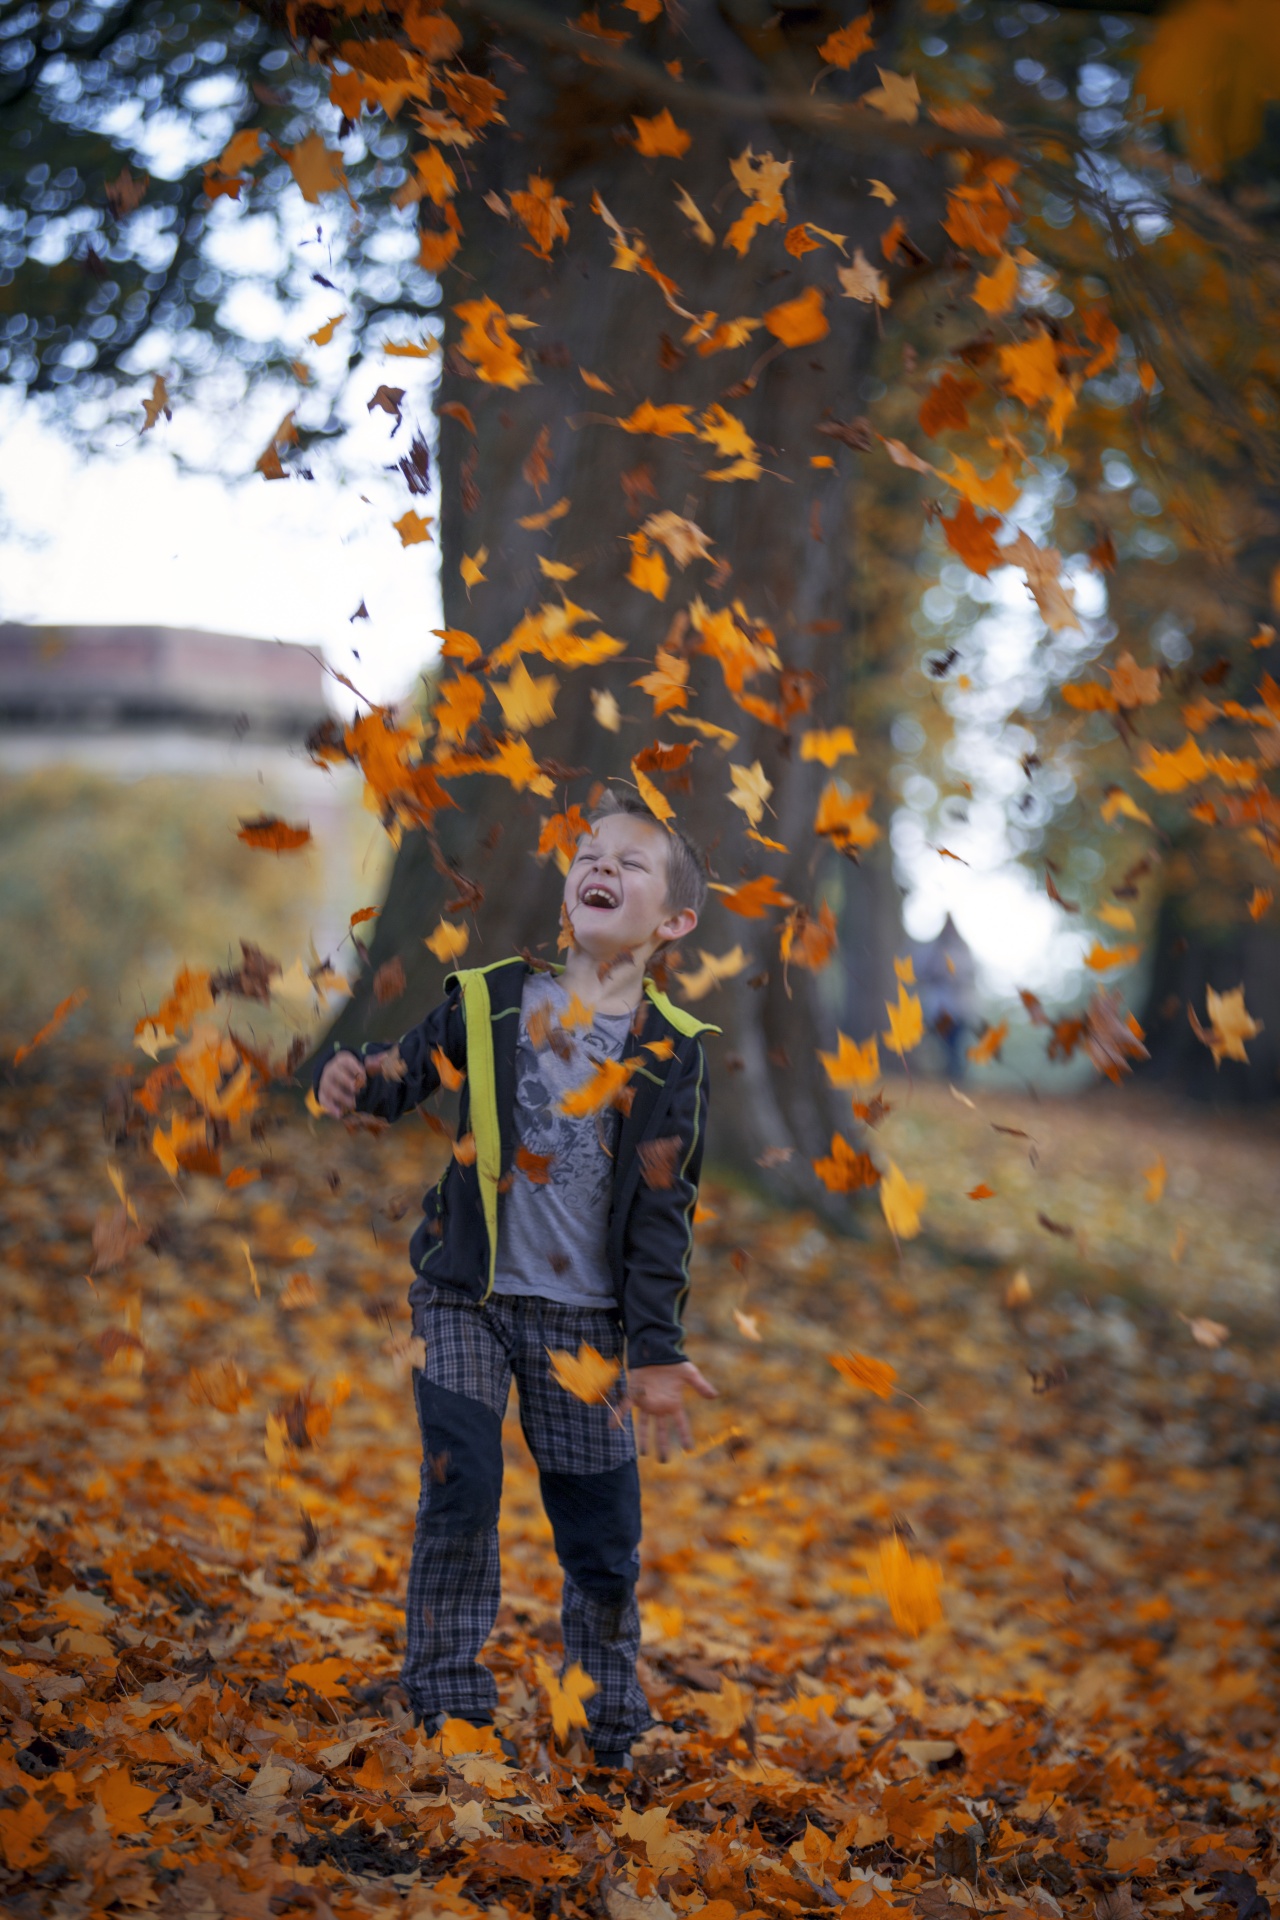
<point>650,1232</point>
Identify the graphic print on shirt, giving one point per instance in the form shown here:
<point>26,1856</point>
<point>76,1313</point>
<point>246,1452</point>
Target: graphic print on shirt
<point>582,1149</point>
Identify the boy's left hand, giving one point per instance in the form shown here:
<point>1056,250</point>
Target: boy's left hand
<point>657,1394</point>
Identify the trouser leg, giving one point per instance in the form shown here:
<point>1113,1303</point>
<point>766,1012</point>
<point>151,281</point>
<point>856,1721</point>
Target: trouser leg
<point>590,1484</point>
<point>454,1574</point>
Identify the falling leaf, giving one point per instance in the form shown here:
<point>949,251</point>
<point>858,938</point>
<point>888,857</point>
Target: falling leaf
<point>981,1192</point>
<point>846,44</point>
<point>988,1047</point>
<point>536,1167</point>
<point>714,971</point>
<point>653,797</point>
<point>60,1013</point>
<point>1207,1333</point>
<point>906,1022</point>
<point>648,569</point>
<point>155,404</point>
<point>323,335</point>
<point>526,701</point>
<point>316,168</point>
<point>607,1087</point>
<point>827,746</point>
<point>1043,566</point>
<point>852,1065</point>
<point>660,137</point>
<point>694,216</point>
<point>877,1376</point>
<point>1101,959</point>
<point>539,522</point>
<point>588,1375</point>
<point>901,1201</point>
<point>471,567</point>
<point>997,291</point>
<point>799,322</point>
<point>748,1325</point>
<point>1230,1025</point>
<point>448,942</point>
<point>412,528</point>
<point>566,1696</point>
<point>542,213</point>
<point>861,281</point>
<point>1121,918</point>
<point>911,1584</point>
<point>488,344</point>
<point>753,899</point>
<point>897,97</point>
<point>750,791</point>
<point>1132,685</point>
<point>845,1170</point>
<point>843,818</point>
<point>1155,1178</point>
<point>273,835</point>
<point>605,710</point>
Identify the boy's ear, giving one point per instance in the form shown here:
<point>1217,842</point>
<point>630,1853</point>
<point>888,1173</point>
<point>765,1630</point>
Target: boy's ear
<point>678,926</point>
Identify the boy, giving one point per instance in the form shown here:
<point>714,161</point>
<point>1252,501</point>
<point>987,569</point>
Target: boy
<point>567,1227</point>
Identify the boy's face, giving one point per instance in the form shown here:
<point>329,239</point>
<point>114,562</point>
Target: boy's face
<point>615,892</point>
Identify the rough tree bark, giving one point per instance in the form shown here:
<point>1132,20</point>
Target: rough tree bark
<point>787,541</point>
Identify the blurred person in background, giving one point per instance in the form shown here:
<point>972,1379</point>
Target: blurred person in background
<point>946,978</point>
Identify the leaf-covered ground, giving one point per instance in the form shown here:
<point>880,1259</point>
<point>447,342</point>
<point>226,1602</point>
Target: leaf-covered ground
<point>211,1469</point>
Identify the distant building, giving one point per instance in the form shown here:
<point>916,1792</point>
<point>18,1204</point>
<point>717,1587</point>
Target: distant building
<point>164,679</point>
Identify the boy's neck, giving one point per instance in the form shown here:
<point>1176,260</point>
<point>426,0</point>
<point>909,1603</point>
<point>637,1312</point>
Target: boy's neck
<point>608,986</point>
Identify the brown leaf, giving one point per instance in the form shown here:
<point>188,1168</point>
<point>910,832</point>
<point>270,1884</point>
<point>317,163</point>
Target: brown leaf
<point>389,981</point>
<point>658,1160</point>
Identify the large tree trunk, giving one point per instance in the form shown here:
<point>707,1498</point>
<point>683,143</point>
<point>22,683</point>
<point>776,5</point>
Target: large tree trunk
<point>788,543</point>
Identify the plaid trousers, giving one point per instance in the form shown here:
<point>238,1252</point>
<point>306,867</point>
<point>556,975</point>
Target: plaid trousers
<point>590,1486</point>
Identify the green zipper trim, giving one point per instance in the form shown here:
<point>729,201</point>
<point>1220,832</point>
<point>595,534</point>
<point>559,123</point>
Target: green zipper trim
<point>484,1103</point>
<point>683,1022</point>
<point>689,1209</point>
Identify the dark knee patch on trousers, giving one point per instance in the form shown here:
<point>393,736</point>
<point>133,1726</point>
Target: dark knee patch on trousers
<point>595,1518</point>
<point>462,1451</point>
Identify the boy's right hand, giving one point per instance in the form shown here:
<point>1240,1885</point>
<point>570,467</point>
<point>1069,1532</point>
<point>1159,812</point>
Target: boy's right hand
<point>340,1082</point>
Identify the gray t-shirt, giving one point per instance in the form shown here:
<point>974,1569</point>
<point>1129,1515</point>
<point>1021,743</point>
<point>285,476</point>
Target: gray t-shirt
<point>551,1232</point>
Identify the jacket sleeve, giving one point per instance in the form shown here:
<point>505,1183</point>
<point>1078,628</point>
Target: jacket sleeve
<point>659,1235</point>
<point>444,1028</point>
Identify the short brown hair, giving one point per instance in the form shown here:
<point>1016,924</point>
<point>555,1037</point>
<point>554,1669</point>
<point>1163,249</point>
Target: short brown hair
<point>686,870</point>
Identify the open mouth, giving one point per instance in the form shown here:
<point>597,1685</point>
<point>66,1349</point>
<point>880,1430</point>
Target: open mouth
<point>597,895</point>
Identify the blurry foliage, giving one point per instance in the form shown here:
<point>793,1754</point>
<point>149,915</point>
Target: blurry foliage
<point>99,889</point>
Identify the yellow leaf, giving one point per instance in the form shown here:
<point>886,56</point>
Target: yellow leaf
<point>1230,1025</point>
<point>648,569</point>
<point>316,168</point>
<point>877,1376</point>
<point>852,1065</point>
<point>488,345</point>
<point>844,1169</point>
<point>412,528</point>
<point>664,421</point>
<point>906,1022</point>
<point>605,710</point>
<point>587,1375</point>
<point>539,522</point>
<point>471,567</point>
<point>750,791</point>
<point>323,335</point>
<point>843,819</point>
<point>1117,801</point>
<point>694,216</point>
<point>726,1710</point>
<point>666,685</point>
<point>843,47</point>
<point>748,1325</point>
<point>660,137</point>
<point>829,746</point>
<point>527,701</point>
<point>1260,902</point>
<point>607,1087</point>
<point>448,942</point>
<point>1101,959</point>
<point>861,281</point>
<point>995,292</point>
<point>565,1696</point>
<point>1155,1179</point>
<point>715,969</point>
<point>897,97</point>
<point>653,797</point>
<point>555,569</point>
<point>912,1586</point>
<point>902,1201</point>
<point>799,322</point>
<point>20,1831</point>
<point>904,970</point>
<point>996,494</point>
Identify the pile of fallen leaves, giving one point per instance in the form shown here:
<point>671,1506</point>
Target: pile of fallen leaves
<point>982,1619</point>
